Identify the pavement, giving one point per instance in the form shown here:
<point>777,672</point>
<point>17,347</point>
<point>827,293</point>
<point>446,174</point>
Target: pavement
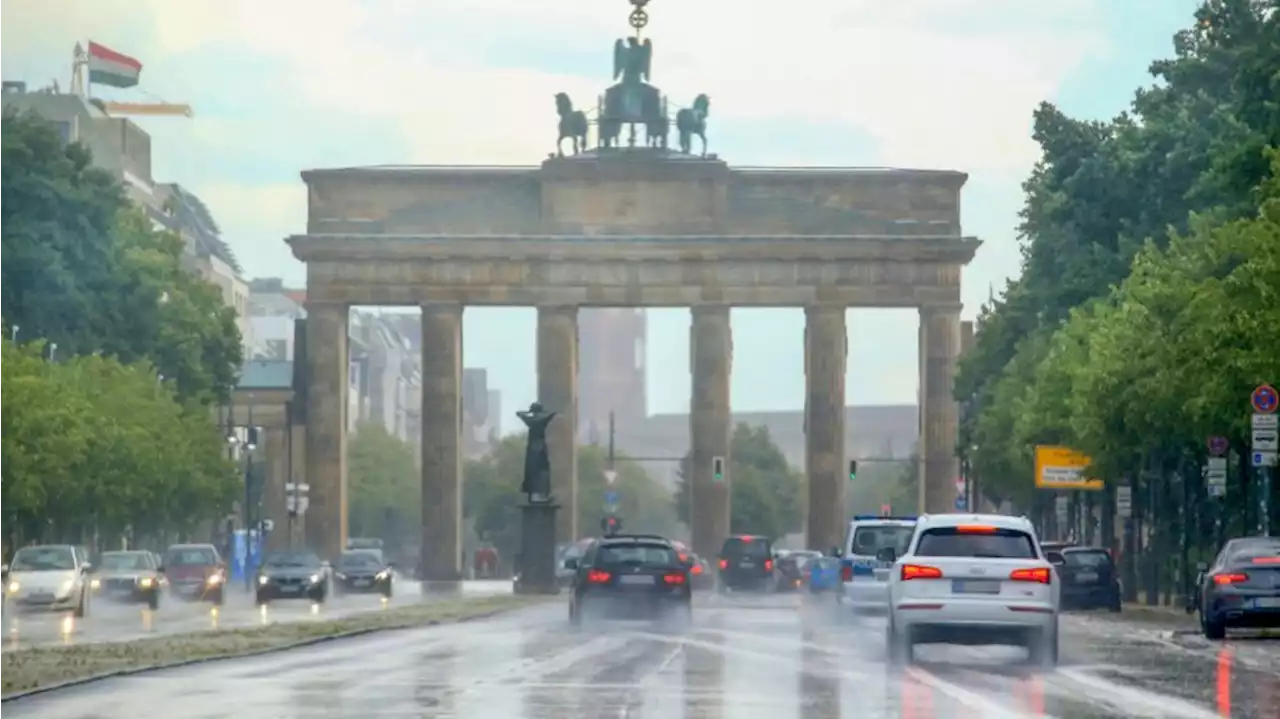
<point>114,622</point>
<point>768,657</point>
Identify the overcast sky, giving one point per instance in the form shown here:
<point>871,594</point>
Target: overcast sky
<point>283,85</point>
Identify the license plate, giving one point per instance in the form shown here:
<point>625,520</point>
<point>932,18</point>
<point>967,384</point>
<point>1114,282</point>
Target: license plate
<point>635,580</point>
<point>975,586</point>
<point>362,582</point>
<point>1267,603</point>
<point>746,565</point>
<point>40,597</point>
<point>1087,577</point>
<point>289,589</point>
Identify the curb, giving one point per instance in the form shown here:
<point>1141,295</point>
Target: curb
<point>301,644</point>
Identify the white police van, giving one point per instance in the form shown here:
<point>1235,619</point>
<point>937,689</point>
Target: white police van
<point>865,561</point>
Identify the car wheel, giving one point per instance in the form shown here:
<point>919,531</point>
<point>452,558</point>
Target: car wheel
<point>153,601</point>
<point>319,596</point>
<point>219,598</point>
<point>260,599</point>
<point>82,606</point>
<point>387,592</point>
<point>1212,629</point>
<point>900,648</point>
<point>1042,649</point>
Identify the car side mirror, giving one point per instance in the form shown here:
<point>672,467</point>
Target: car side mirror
<point>1055,558</point>
<point>887,554</point>
<point>571,564</point>
<point>1202,567</point>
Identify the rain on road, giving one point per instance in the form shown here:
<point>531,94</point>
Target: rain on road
<point>744,658</point>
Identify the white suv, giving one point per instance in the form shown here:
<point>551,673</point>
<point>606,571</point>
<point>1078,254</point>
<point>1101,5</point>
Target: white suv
<point>973,579</point>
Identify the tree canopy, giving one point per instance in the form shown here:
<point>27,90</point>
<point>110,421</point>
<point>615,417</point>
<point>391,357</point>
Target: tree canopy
<point>84,268</point>
<point>1146,309</point>
<point>384,494</point>
<point>766,493</point>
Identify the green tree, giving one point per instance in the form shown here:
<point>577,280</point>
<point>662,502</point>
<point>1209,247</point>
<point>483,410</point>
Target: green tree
<point>384,486</point>
<point>767,494</point>
<point>491,497</point>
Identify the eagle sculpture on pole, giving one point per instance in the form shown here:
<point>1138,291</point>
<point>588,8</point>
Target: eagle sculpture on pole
<point>631,60</point>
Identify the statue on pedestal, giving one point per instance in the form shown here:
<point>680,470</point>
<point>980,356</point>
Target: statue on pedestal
<point>537,462</point>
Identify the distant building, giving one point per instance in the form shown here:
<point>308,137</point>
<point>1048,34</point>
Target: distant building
<point>123,149</point>
<point>611,370</point>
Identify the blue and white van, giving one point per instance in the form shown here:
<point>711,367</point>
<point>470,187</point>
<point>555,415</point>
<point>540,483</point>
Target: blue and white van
<point>864,579</point>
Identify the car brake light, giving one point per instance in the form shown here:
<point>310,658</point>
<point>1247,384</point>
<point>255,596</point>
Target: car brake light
<point>696,569</point>
<point>1234,578</point>
<point>846,573</point>
<point>768,565</point>
<point>724,564</point>
<point>746,540</point>
<point>674,579</point>
<point>598,576</point>
<point>1036,574</point>
<point>975,529</point>
<point>917,571</point>
<point>1266,560</point>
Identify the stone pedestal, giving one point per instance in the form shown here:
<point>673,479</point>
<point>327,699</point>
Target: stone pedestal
<point>711,361</point>
<point>537,570</point>
<point>940,414</point>
<point>441,547</point>
<point>326,442</point>
<point>558,392</point>
<point>826,357</point>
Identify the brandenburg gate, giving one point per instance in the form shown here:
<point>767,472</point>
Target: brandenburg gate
<point>633,225</point>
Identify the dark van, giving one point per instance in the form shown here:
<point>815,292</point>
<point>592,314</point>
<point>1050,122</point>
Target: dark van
<point>746,563</point>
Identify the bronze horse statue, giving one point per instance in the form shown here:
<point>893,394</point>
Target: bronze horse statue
<point>692,121</point>
<point>573,125</point>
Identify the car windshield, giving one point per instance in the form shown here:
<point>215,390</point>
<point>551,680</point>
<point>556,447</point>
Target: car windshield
<point>43,559</point>
<point>291,559</point>
<point>190,557</point>
<point>359,560</point>
<point>986,542</point>
<point>1253,547</point>
<point>870,539</point>
<point>648,554</point>
<point>746,547</point>
<point>125,561</point>
<point>1087,559</point>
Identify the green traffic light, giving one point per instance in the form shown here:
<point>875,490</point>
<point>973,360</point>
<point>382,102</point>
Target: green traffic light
<point>853,469</point>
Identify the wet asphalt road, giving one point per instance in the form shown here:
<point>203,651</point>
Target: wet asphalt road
<point>744,658</point>
<point>114,622</point>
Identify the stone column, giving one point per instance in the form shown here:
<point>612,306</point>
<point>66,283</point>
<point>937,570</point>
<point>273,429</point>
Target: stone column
<point>939,351</point>
<point>441,548</point>
<point>558,392</point>
<point>273,495</point>
<point>826,357</point>
<point>326,445</point>
<point>711,362</point>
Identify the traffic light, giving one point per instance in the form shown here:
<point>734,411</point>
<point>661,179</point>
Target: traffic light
<point>610,525</point>
<point>717,469</point>
<point>853,469</point>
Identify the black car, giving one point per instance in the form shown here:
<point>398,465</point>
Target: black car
<point>297,574</point>
<point>132,577</point>
<point>1089,578</point>
<point>788,569</point>
<point>362,572</point>
<point>630,577</point>
<point>1241,589</point>
<point>746,562</point>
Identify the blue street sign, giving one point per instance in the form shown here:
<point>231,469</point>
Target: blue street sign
<point>1265,399</point>
<point>611,497</point>
<point>961,503</point>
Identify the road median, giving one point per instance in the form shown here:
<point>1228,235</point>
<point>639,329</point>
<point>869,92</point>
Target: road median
<point>40,669</point>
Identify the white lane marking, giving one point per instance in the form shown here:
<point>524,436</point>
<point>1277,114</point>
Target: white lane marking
<point>987,706</point>
<point>1135,701</point>
<point>629,700</point>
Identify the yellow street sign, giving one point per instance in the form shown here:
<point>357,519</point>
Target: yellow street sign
<point>1063,468</point>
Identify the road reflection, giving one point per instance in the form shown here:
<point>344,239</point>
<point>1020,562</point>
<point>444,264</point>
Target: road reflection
<point>704,677</point>
<point>819,690</point>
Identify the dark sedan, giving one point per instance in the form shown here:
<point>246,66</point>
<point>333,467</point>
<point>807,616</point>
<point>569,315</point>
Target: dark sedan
<point>746,563</point>
<point>298,574</point>
<point>630,578</point>
<point>1089,578</point>
<point>362,572</point>
<point>1241,589</point>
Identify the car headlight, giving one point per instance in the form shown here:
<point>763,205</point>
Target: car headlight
<point>383,574</point>
<point>145,582</point>
<point>14,587</point>
<point>262,579</point>
<point>315,578</point>
<point>214,579</point>
<point>95,583</point>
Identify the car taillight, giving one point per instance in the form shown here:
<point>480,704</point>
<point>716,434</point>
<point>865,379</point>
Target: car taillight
<point>684,557</point>
<point>1232,578</point>
<point>918,571</point>
<point>975,529</point>
<point>1035,574</point>
<point>696,569</point>
<point>674,579</point>
<point>598,576</point>
<point>1266,560</point>
<point>724,564</point>
<point>768,565</point>
<point>846,573</point>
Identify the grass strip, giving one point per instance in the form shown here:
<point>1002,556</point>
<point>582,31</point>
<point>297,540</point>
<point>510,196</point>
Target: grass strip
<point>24,670</point>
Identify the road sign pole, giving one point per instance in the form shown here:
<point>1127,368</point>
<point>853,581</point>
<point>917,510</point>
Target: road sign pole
<point>1265,402</point>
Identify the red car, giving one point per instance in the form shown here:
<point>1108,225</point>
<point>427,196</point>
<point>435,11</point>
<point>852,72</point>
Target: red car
<point>195,571</point>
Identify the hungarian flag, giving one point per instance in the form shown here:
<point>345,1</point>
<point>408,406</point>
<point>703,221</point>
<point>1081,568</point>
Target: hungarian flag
<point>108,67</point>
